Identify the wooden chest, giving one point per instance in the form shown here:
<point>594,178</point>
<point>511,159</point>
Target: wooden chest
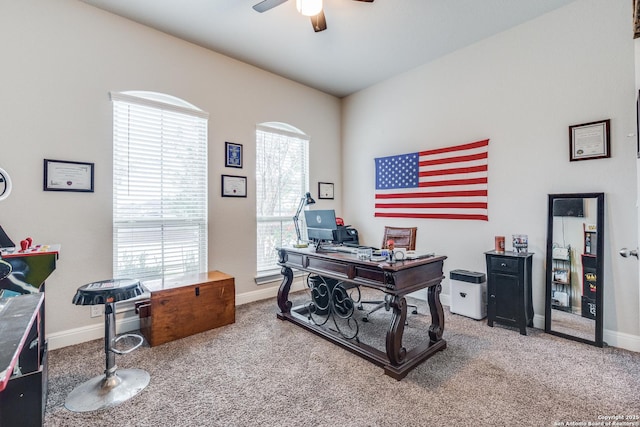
<point>187,305</point>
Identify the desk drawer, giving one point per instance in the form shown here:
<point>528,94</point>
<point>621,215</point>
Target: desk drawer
<point>508,265</point>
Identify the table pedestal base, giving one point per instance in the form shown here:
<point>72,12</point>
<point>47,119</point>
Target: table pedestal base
<point>329,312</point>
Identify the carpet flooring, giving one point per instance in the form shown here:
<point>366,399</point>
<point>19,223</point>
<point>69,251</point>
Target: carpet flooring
<point>261,371</point>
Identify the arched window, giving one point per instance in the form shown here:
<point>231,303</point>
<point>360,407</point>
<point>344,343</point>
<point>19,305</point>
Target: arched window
<point>159,186</point>
<point>282,178</point>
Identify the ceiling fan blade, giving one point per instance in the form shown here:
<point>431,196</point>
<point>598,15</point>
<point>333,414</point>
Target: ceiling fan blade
<point>319,22</point>
<point>265,5</point>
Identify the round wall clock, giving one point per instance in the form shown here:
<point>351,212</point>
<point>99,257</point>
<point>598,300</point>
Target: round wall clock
<point>5,184</point>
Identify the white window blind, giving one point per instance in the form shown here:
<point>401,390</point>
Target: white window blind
<point>159,186</point>
<point>282,178</point>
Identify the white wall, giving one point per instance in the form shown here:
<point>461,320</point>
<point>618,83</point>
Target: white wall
<point>522,89</point>
<point>636,45</point>
<point>60,60</point>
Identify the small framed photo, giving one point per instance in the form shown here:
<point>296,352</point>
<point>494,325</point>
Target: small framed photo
<point>234,186</point>
<point>325,190</point>
<point>61,175</point>
<point>589,141</point>
<point>233,155</point>
<point>561,275</point>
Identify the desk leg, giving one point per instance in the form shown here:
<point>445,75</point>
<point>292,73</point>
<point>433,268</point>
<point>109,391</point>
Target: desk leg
<point>395,351</point>
<point>283,292</point>
<point>437,313</point>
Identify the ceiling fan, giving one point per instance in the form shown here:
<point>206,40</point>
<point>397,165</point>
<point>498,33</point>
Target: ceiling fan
<point>311,8</point>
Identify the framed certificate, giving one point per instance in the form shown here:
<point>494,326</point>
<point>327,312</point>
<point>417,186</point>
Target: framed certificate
<point>234,186</point>
<point>60,175</point>
<point>233,155</point>
<point>589,141</point>
<point>325,190</point>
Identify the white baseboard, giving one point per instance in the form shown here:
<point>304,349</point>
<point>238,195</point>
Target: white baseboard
<point>89,333</point>
<point>422,294</point>
<point>127,320</point>
<point>611,338</point>
<point>261,294</point>
<point>130,322</point>
<point>538,321</point>
<point>621,340</point>
<point>445,299</point>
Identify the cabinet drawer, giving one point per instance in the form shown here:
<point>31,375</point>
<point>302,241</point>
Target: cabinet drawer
<point>509,265</point>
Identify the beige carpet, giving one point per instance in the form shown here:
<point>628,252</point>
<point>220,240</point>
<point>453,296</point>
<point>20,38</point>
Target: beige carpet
<point>261,371</point>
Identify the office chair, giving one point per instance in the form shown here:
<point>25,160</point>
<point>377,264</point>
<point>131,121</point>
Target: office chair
<point>403,237</point>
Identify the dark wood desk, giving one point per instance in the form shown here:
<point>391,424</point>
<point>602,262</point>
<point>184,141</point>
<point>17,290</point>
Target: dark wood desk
<point>395,280</point>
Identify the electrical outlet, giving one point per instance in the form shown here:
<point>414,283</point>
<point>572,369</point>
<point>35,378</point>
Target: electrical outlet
<point>96,310</point>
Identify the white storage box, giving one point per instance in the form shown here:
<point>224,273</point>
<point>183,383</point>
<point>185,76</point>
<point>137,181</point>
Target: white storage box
<point>468,293</point>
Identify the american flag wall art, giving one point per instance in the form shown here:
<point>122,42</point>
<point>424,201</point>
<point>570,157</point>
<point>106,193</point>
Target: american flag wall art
<point>444,183</point>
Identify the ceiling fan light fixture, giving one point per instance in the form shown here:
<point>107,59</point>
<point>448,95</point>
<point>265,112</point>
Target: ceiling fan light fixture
<point>309,7</point>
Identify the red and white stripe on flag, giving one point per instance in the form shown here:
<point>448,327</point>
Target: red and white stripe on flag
<point>444,183</point>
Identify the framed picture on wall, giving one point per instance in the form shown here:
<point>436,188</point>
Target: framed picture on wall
<point>589,141</point>
<point>234,186</point>
<point>325,190</point>
<point>233,155</point>
<point>62,175</point>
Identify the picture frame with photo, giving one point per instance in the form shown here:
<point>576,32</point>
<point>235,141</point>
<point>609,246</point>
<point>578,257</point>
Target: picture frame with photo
<point>561,275</point>
<point>325,190</point>
<point>233,155</point>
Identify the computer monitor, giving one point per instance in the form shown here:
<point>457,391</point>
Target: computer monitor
<point>320,224</point>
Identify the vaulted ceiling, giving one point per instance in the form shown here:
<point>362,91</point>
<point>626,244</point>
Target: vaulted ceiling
<point>364,43</point>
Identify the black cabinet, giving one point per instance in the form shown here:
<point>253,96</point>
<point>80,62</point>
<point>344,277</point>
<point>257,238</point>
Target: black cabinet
<point>509,289</point>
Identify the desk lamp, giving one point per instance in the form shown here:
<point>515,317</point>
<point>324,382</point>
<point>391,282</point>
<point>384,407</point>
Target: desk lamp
<point>304,201</point>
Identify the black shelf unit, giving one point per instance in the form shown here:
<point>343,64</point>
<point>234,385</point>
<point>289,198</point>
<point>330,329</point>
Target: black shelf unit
<point>561,290</point>
<point>509,289</point>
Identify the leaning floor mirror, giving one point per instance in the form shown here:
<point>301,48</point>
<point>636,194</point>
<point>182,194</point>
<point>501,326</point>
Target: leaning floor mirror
<point>575,243</point>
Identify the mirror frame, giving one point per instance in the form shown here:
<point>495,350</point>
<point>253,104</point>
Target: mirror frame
<point>597,341</point>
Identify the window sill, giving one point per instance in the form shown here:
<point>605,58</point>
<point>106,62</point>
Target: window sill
<point>274,277</point>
